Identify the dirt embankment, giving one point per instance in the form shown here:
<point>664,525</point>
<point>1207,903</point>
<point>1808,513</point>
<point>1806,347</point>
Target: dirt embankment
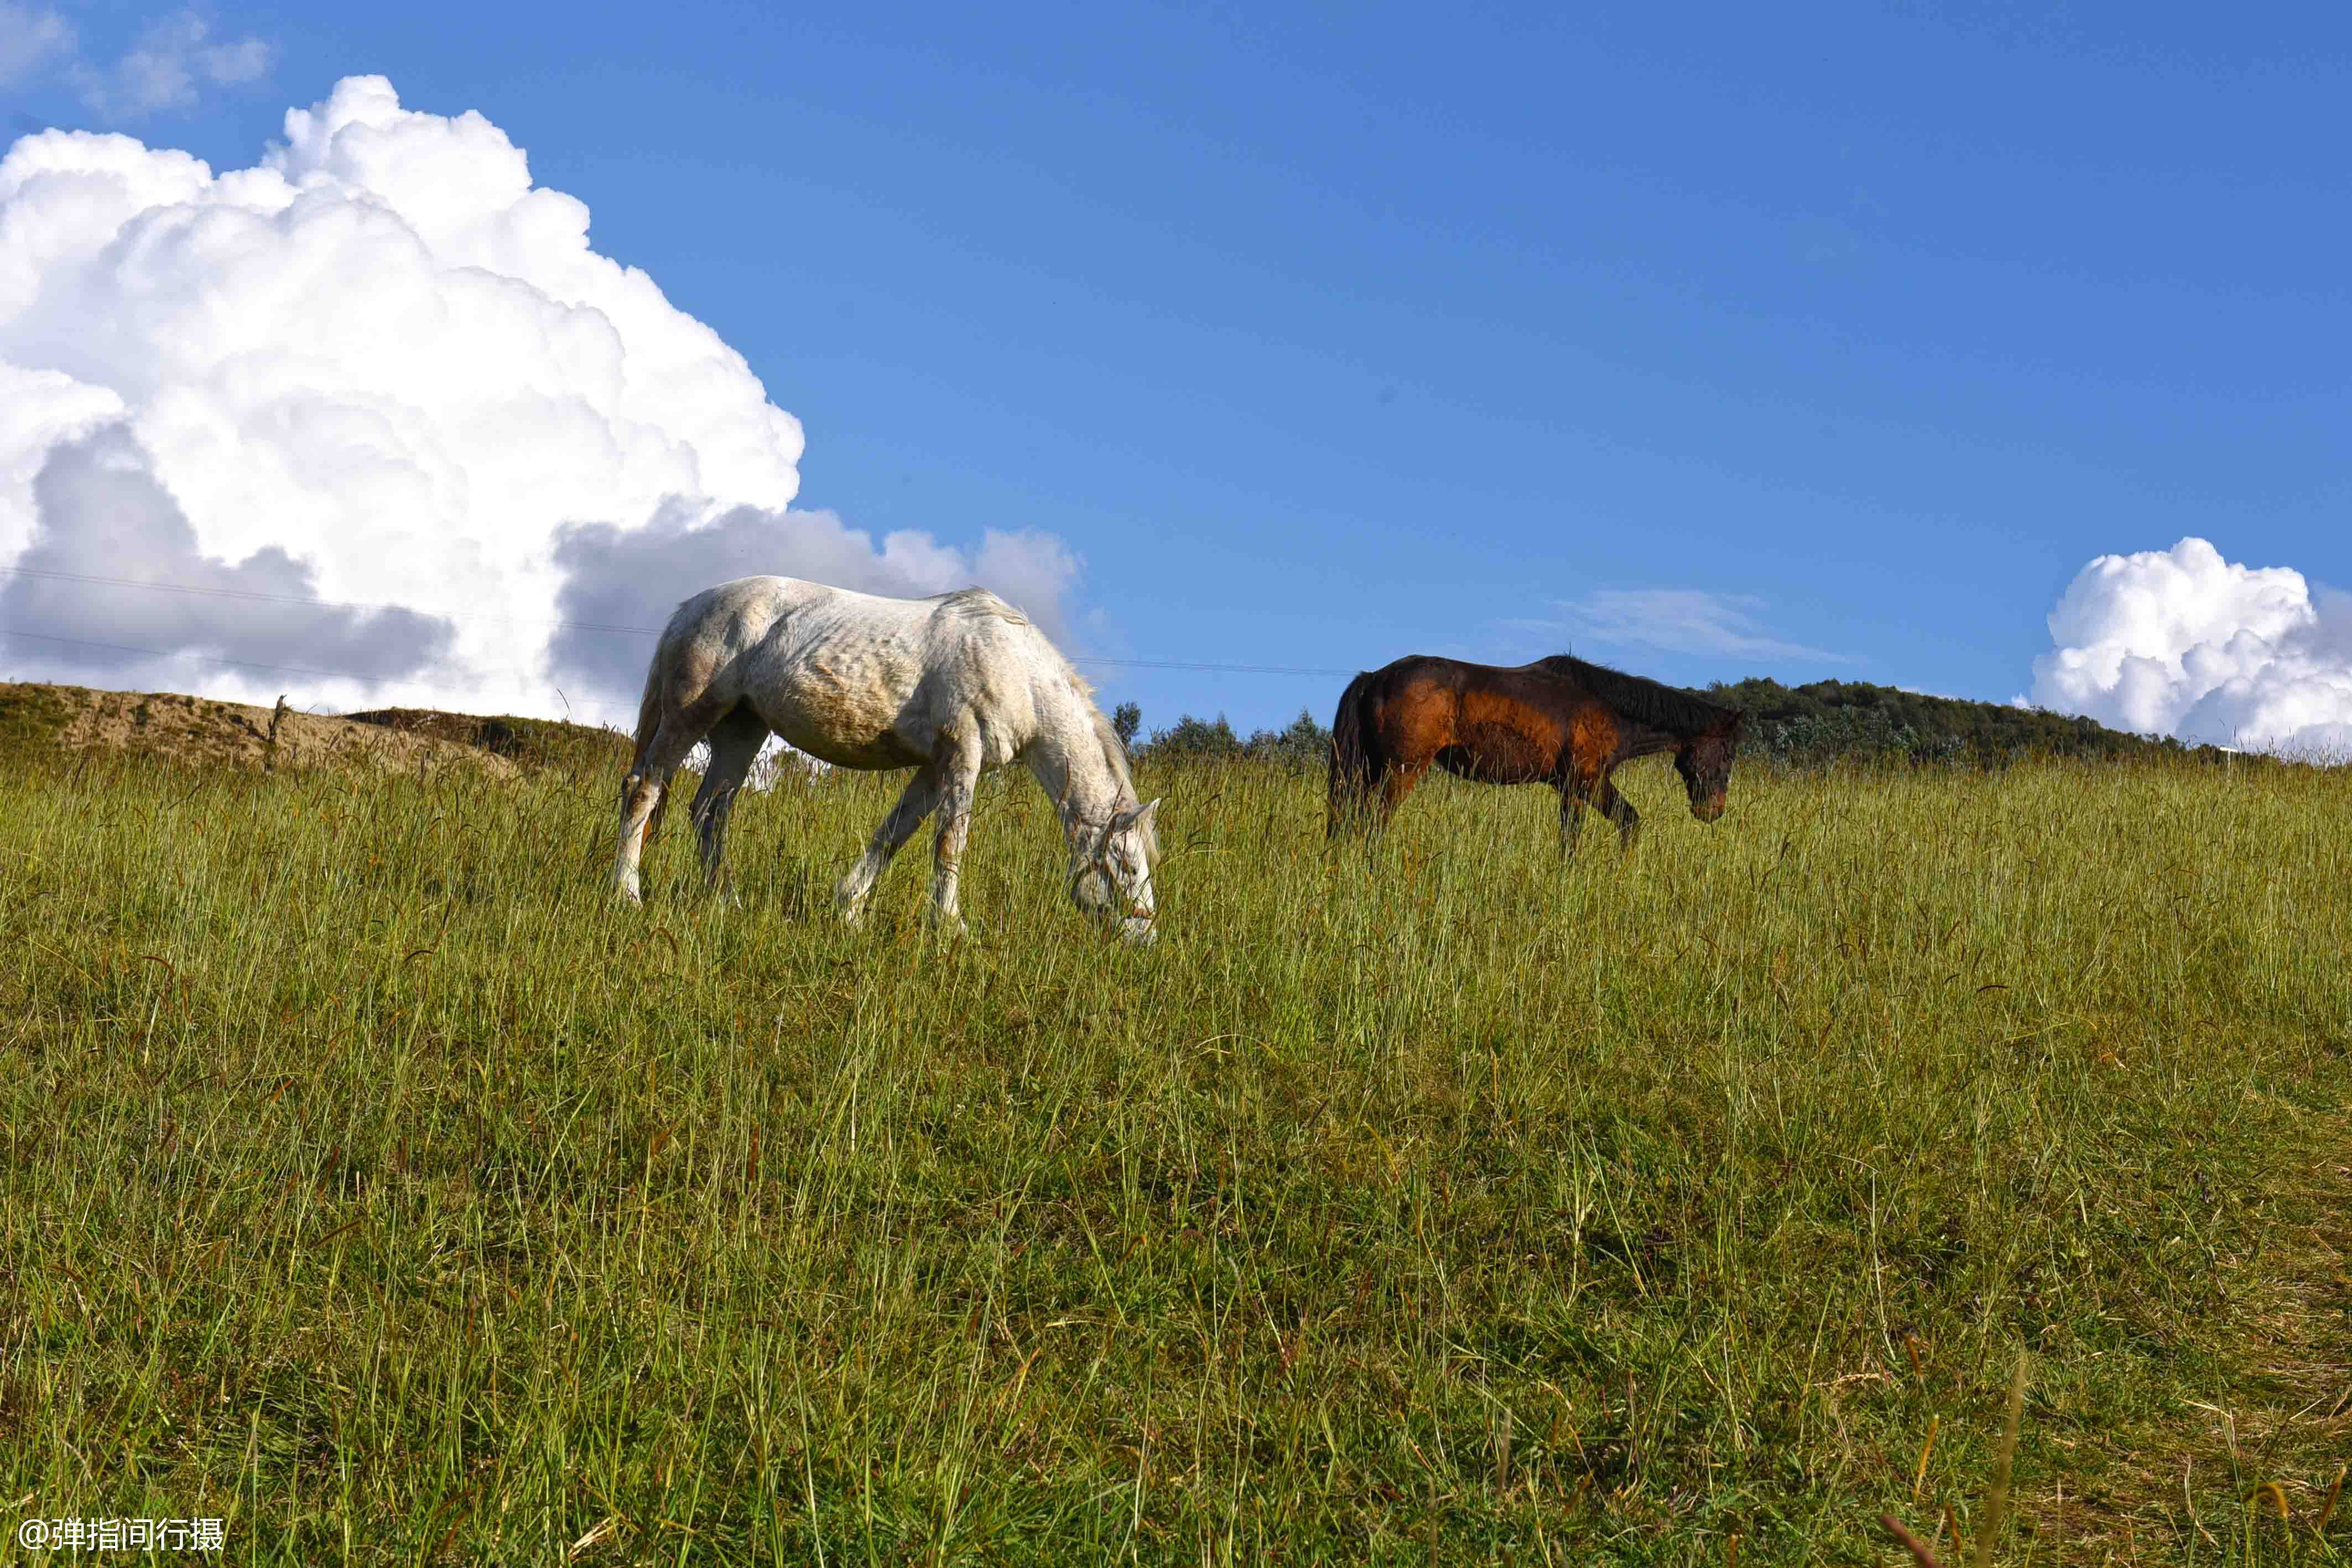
<point>533,743</point>
<point>198,730</point>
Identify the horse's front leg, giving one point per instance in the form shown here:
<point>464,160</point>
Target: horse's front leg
<point>1620,810</point>
<point>960,783</point>
<point>922,794</point>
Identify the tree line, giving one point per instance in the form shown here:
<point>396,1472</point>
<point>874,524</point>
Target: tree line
<point>1818,725</point>
<point>1826,722</point>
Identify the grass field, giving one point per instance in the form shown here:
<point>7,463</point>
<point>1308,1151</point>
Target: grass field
<point>372,1184</point>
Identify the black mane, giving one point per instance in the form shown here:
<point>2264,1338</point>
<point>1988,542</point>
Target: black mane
<point>1638,698</point>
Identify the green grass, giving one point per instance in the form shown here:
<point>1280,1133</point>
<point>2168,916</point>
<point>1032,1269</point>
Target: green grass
<point>32,718</point>
<point>372,1184</point>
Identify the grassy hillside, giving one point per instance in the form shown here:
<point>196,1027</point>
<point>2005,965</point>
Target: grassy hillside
<point>371,1183</point>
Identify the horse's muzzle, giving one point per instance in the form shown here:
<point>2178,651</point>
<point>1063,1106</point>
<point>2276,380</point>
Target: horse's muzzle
<point>1709,809</point>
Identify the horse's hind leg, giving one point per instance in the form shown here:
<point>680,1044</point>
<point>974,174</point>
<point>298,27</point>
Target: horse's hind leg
<point>1412,736</point>
<point>735,743</point>
<point>1356,805</point>
<point>1347,799</point>
<point>642,792</point>
<point>922,793</point>
<point>1395,785</point>
<point>1571,818</point>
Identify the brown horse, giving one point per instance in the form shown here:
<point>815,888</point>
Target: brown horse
<point>1558,721</point>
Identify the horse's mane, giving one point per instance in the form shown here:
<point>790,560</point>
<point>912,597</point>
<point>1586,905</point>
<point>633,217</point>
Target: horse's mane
<point>1114,752</point>
<point>978,603</point>
<point>1638,698</point>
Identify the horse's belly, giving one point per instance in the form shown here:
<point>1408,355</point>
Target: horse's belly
<point>844,710</point>
<point>871,751</point>
<point>1496,754</point>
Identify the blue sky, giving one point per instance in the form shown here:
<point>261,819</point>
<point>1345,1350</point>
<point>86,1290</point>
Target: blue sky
<point>1709,342</point>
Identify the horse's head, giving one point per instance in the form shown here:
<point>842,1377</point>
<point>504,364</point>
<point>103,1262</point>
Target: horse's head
<point>1705,762</point>
<point>1110,870</point>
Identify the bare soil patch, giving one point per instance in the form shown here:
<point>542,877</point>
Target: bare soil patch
<point>200,731</point>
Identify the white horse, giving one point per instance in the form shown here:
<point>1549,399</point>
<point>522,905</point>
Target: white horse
<point>953,686</point>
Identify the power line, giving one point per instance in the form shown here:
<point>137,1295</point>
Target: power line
<point>252,596</point>
<point>240,663</point>
<point>1225,669</point>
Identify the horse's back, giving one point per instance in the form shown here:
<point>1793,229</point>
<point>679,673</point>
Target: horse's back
<point>758,603</point>
<point>1496,723</point>
<point>866,681</point>
<point>1420,677</point>
<point>828,669</point>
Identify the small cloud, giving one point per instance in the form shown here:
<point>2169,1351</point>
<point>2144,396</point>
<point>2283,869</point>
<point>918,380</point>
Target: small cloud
<point>30,36</point>
<point>1679,620</point>
<point>174,58</point>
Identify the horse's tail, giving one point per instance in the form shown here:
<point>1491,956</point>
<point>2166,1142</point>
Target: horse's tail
<point>1355,759</point>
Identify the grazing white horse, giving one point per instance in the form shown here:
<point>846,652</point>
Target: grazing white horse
<point>952,686</point>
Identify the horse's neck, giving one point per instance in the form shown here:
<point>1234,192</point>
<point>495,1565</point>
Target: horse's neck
<point>1648,740</point>
<point>1067,761</point>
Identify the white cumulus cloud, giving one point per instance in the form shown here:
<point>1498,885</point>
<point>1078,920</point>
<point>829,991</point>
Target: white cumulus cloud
<point>378,368</point>
<point>2182,642</point>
